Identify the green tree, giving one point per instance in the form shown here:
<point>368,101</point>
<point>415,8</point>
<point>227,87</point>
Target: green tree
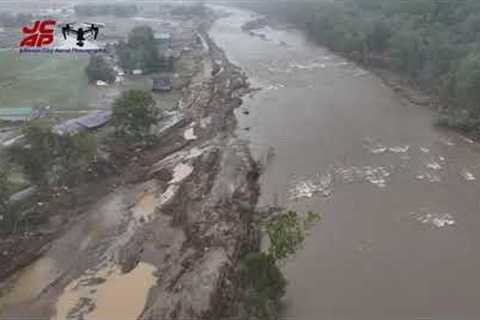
<point>468,82</point>
<point>134,112</point>
<point>99,69</point>
<point>140,36</point>
<point>260,270</point>
<point>267,285</point>
<point>286,233</point>
<point>48,159</point>
<point>378,35</point>
<point>408,50</point>
<point>37,155</point>
<point>75,156</point>
<point>4,192</point>
<point>8,214</point>
<point>140,51</point>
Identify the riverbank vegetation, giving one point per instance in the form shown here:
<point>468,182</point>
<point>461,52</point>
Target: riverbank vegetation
<point>434,43</point>
<point>260,271</point>
<point>47,162</point>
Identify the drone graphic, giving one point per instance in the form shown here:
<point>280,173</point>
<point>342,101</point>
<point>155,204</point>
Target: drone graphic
<point>92,28</point>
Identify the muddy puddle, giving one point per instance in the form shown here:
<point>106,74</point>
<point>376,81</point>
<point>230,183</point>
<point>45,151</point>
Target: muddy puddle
<point>29,283</point>
<point>108,298</point>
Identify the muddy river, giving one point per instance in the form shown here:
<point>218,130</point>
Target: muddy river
<point>398,197</point>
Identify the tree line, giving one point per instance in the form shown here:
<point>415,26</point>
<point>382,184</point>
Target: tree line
<point>117,9</point>
<point>140,51</point>
<point>435,43</point>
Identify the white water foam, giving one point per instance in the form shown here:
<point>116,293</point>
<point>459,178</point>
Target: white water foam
<point>399,149</point>
<point>438,220</point>
<point>307,188</point>
<point>467,175</point>
<point>374,175</point>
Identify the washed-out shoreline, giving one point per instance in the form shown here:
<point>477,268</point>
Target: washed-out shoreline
<point>203,186</point>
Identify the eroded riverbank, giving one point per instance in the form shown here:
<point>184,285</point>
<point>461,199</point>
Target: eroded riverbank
<point>164,241</point>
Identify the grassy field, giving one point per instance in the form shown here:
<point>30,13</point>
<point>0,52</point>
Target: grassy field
<point>30,80</point>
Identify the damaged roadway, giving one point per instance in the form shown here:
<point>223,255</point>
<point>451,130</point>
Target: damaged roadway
<point>165,242</point>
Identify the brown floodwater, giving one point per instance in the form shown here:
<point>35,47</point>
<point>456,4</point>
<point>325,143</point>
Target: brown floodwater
<point>398,197</point>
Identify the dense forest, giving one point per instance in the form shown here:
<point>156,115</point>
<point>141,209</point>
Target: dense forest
<point>435,43</point>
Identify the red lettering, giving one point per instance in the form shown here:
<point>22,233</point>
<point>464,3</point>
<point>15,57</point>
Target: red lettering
<point>40,34</point>
<point>34,29</point>
<point>44,39</point>
<point>44,26</point>
<point>29,41</point>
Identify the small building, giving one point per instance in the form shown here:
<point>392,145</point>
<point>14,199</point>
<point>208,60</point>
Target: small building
<point>16,114</point>
<point>162,84</point>
<point>90,121</point>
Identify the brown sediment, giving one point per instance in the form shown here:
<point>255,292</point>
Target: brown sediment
<point>162,240</point>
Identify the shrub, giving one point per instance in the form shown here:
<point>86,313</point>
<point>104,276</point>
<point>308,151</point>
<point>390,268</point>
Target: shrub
<point>140,51</point>
<point>261,275</point>
<point>36,156</point>
<point>98,69</point>
<point>468,82</point>
<point>267,284</point>
<point>49,159</point>
<point>286,233</point>
<point>4,192</point>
